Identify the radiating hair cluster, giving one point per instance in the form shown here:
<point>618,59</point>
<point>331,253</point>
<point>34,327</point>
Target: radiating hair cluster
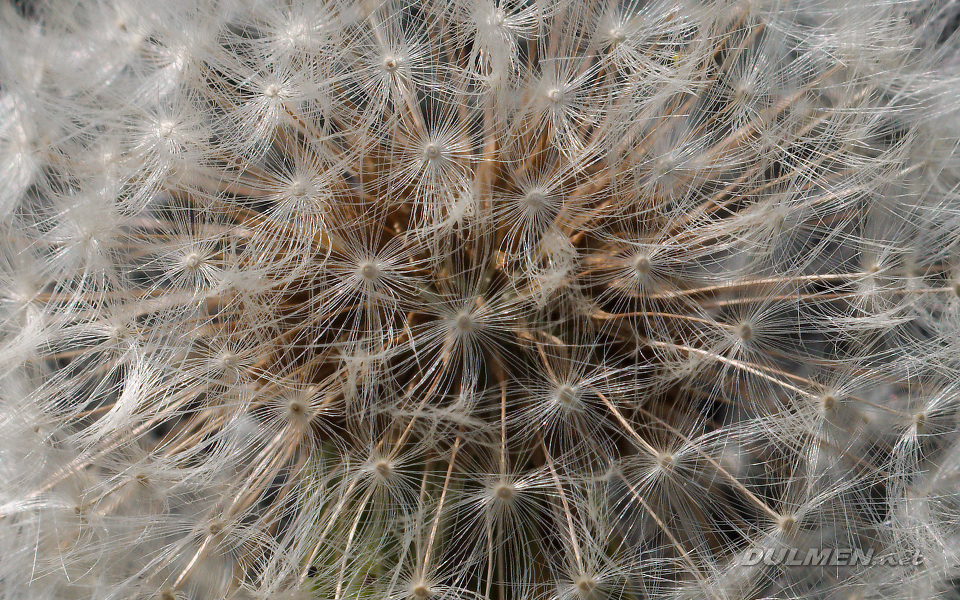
<point>478,299</point>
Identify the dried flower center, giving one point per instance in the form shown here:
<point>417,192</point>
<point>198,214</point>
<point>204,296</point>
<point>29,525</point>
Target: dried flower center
<point>191,261</point>
<point>390,64</point>
<point>555,95</point>
<point>505,491</point>
<point>271,91</point>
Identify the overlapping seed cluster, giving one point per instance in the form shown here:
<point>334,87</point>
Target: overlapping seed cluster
<point>474,299</point>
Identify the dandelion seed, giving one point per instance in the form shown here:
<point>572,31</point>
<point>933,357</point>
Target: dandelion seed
<point>505,492</point>
<point>642,264</point>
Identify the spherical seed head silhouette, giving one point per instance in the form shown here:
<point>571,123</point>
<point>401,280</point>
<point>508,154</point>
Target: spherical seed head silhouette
<point>476,299</point>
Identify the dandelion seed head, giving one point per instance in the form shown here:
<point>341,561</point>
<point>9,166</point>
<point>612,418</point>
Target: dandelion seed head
<point>165,129</point>
<point>421,590</point>
<point>298,188</point>
<point>665,460</point>
<point>369,271</point>
<point>192,261</point>
<point>918,420</point>
<point>787,524</point>
<point>383,468</point>
<point>745,89</point>
<point>473,299</point>
<point>534,200</point>
<point>828,402</point>
<point>585,586</point>
<point>667,163</point>
<point>295,407</point>
<point>642,264</point>
<point>229,360</point>
<point>433,150</point>
<point>464,322</point>
<point>215,527</point>
<point>566,396</point>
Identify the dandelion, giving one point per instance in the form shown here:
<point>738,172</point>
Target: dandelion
<point>477,299</point>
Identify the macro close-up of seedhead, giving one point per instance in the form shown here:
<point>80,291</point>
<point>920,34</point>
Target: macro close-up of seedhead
<point>479,299</point>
